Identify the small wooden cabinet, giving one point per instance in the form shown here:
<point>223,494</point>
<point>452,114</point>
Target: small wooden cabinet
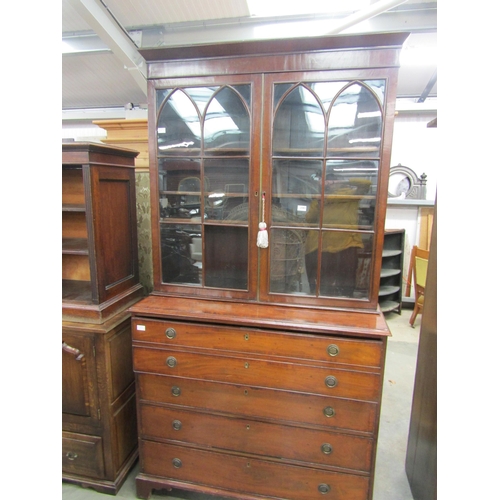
<point>259,355</point>
<point>99,430</point>
<point>100,274</point>
<point>391,274</point>
<point>100,280</point>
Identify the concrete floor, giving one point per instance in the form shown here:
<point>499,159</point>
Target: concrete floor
<point>391,482</point>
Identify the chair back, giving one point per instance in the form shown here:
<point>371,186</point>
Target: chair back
<point>418,270</point>
<point>421,270</point>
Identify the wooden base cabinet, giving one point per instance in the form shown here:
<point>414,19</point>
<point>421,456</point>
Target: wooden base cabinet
<point>99,436</point>
<point>248,411</point>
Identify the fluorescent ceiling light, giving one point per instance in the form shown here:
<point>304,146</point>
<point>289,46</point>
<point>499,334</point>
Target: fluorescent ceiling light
<point>276,8</point>
<point>418,54</point>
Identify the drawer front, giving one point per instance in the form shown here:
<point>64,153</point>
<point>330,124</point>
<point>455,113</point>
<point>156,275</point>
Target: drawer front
<point>249,475</point>
<point>290,345</point>
<point>328,381</point>
<point>82,455</point>
<point>269,404</point>
<point>260,438</point>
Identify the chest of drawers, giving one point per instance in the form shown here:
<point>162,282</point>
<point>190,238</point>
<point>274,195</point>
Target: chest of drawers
<point>255,407</point>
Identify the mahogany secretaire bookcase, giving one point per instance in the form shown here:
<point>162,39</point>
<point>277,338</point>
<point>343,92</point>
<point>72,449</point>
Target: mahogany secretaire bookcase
<point>259,356</point>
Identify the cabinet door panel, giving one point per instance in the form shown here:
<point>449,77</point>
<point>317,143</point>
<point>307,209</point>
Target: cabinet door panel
<point>79,378</point>
<point>321,174</point>
<point>205,171</point>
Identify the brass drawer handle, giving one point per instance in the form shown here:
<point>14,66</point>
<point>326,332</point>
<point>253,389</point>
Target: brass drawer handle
<point>329,411</point>
<point>331,381</point>
<point>324,488</point>
<point>326,448</point>
<point>177,463</point>
<point>171,362</point>
<point>177,425</point>
<point>170,333</point>
<point>176,391</point>
<point>71,456</point>
<point>333,350</point>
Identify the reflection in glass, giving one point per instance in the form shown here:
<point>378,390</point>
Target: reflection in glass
<point>228,179</point>
<point>355,122</point>
<point>347,207</point>
<point>203,176</point>
<point>327,91</point>
<point>299,125</point>
<point>345,263</point>
<point>295,184</point>
<point>178,242</point>
<point>329,200</point>
<point>179,126</point>
<point>226,125</point>
<point>287,261</point>
<point>378,88</point>
<point>226,257</point>
<point>350,190</point>
<point>179,182</point>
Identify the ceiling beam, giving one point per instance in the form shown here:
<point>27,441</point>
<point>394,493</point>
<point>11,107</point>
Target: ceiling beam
<point>428,88</point>
<point>109,30</point>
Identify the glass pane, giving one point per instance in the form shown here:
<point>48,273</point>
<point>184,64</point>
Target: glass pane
<point>227,181</point>
<point>287,262</point>
<point>161,95</point>
<point>226,257</point>
<point>179,188</point>
<point>345,263</point>
<point>327,91</point>
<point>378,88</point>
<point>179,129</point>
<point>350,194</point>
<point>295,185</point>
<point>201,96</point>
<point>299,125</point>
<point>226,128</point>
<point>355,123</point>
<point>179,261</point>
<point>279,92</point>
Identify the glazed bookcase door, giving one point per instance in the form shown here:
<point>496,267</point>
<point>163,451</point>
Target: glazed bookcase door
<point>323,164</point>
<point>205,186</point>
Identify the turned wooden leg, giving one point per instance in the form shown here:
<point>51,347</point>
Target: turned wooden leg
<point>414,315</point>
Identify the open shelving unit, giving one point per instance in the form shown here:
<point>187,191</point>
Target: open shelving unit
<point>391,274</point>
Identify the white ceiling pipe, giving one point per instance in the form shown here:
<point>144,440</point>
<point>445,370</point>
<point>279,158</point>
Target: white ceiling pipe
<point>364,14</point>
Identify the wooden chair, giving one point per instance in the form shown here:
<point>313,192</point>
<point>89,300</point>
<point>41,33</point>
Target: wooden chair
<point>418,273</point>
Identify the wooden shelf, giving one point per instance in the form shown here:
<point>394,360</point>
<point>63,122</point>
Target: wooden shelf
<point>75,246</point>
<point>77,291</point>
